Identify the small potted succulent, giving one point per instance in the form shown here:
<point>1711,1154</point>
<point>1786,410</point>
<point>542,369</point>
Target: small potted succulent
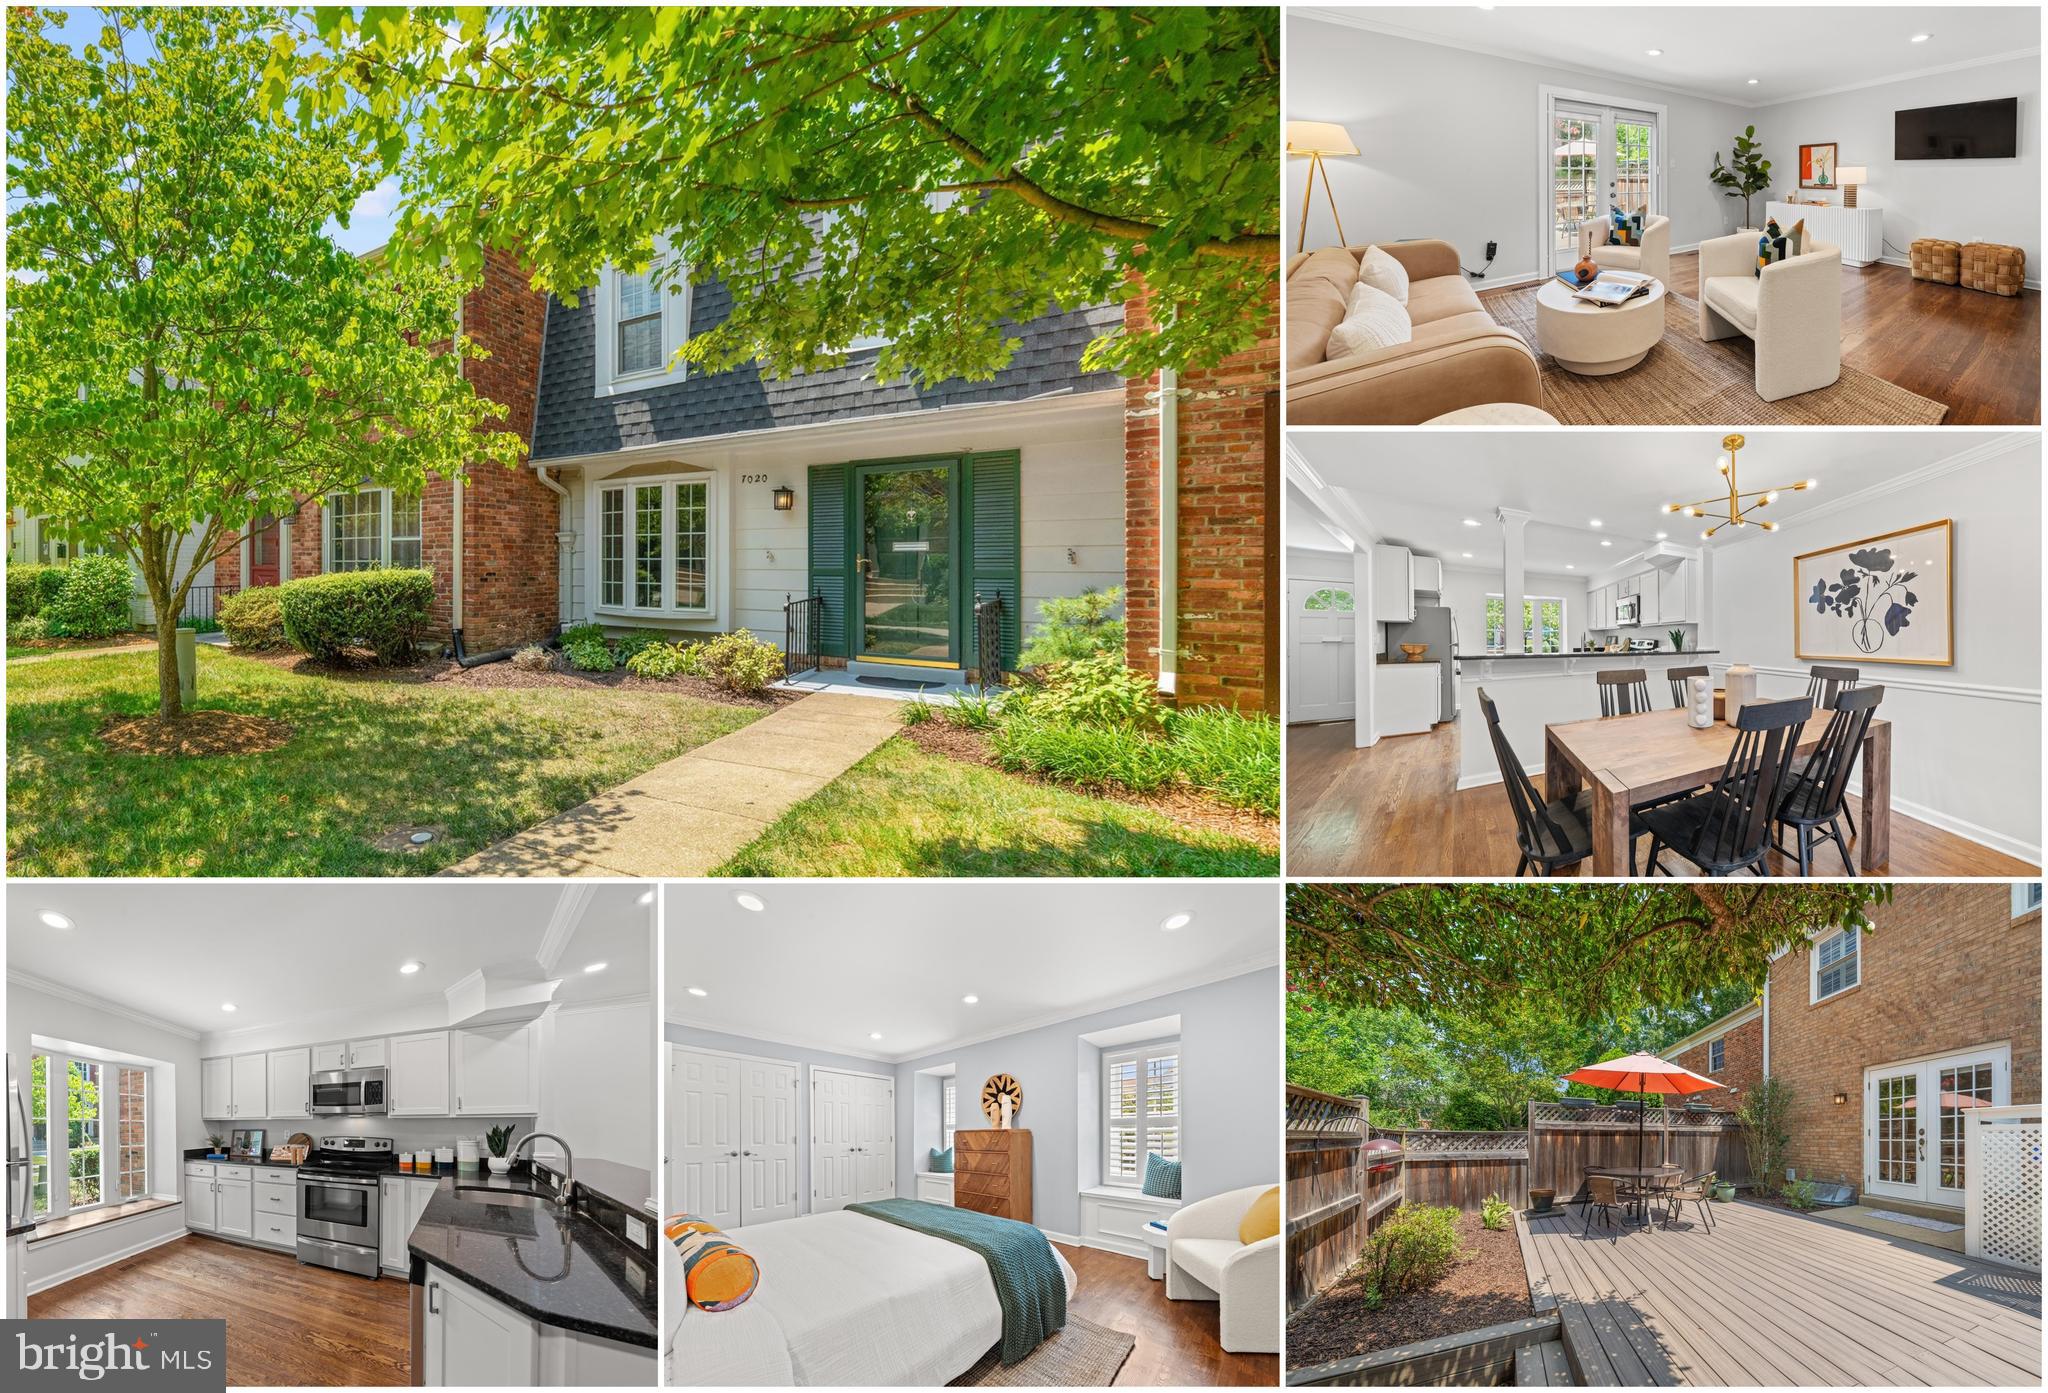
<point>498,1141</point>
<point>215,1146</point>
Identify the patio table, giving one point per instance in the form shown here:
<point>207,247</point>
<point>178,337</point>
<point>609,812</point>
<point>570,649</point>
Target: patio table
<point>1646,1176</point>
<point>1627,760</point>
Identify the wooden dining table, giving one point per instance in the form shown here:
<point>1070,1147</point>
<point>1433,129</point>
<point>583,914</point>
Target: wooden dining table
<point>1627,760</point>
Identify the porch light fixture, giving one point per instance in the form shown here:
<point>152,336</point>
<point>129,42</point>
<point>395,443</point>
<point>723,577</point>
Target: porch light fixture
<point>1841,1098</point>
<point>785,499</point>
<point>874,1035</point>
<point>1741,502</point>
<point>970,998</point>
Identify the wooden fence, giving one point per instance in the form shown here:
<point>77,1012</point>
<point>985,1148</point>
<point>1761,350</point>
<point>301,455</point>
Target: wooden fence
<point>1563,1141</point>
<point>1462,1168</point>
<point>1332,1196</point>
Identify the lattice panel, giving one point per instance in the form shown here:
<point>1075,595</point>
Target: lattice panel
<point>1463,1143</point>
<point>1311,1113</point>
<point>1558,1115</point>
<point>2005,1192</point>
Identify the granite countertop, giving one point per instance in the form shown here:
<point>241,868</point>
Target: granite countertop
<point>200,1154</point>
<point>561,1267</point>
<point>15,1229</point>
<point>1584,653</point>
<point>1385,661</point>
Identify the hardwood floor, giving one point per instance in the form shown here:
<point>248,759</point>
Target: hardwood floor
<point>1976,353</point>
<point>1396,810</point>
<point>288,1325</point>
<point>1176,1339</point>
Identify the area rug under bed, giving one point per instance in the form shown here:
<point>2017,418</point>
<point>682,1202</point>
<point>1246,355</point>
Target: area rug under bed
<point>1688,382</point>
<point>1082,1355</point>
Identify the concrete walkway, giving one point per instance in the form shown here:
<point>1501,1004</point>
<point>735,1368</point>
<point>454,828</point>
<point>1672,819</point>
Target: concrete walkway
<point>684,817</point>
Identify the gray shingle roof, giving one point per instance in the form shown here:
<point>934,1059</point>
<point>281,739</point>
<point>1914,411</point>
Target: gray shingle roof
<point>573,421</point>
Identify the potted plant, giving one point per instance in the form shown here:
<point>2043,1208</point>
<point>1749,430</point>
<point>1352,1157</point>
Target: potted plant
<point>1541,1200</point>
<point>1746,174</point>
<point>1678,640</point>
<point>1724,1191</point>
<point>498,1141</point>
<point>214,1145</point>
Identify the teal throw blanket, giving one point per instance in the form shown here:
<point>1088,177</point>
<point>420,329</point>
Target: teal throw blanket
<point>1028,1281</point>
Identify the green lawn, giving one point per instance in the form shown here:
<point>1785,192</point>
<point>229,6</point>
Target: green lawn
<point>367,757</point>
<point>903,812</point>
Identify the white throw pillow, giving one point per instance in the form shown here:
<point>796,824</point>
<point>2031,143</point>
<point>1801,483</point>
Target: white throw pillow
<point>1377,268</point>
<point>1374,320</point>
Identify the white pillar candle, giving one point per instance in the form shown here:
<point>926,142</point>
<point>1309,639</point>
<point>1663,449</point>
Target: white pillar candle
<point>1740,683</point>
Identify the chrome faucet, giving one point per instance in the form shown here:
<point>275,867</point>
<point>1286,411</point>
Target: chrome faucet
<point>565,1193</point>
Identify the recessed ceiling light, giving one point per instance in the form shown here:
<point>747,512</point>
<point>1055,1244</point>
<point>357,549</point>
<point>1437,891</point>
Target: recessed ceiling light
<point>1752,82</point>
<point>1662,535</point>
<point>1471,522</point>
<point>874,1035</point>
<point>1654,52</point>
<point>698,991</point>
<point>1920,38</point>
<point>1570,567</point>
<point>595,967</point>
<point>409,968</point>
<point>1467,555</point>
<point>1593,522</point>
<point>970,998</point>
<point>227,1006</point>
<point>1605,542</point>
<point>54,919</point>
<point>1176,921</point>
<point>746,899</point>
<point>646,898</point>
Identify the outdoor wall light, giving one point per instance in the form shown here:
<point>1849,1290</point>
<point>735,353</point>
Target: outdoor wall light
<point>785,499</point>
<point>1841,1098</point>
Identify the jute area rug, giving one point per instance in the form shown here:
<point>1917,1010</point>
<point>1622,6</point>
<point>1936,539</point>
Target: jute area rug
<point>1082,1355</point>
<point>1688,382</point>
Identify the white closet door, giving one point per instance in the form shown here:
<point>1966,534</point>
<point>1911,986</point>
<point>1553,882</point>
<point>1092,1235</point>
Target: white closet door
<point>876,1127</point>
<point>767,1141</point>
<point>704,1135</point>
<point>835,1140</point>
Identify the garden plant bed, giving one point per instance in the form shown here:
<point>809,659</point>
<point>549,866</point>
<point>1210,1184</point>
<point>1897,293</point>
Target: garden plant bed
<point>199,732</point>
<point>1489,1286</point>
<point>503,676</point>
<point>44,647</point>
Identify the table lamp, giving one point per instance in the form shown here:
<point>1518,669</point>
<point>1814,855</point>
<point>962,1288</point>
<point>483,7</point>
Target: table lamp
<point>1849,176</point>
<point>1316,139</point>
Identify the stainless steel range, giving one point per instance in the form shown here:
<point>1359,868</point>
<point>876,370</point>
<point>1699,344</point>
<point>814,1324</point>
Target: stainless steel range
<point>338,1202</point>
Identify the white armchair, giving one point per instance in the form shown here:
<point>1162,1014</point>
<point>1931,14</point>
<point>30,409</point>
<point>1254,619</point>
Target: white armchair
<point>1205,1262</point>
<point>1792,312</point>
<point>1651,256</point>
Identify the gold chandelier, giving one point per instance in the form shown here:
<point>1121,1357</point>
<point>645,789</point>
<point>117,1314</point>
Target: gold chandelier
<point>1741,502</point>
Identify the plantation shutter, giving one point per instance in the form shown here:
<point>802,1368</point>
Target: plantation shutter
<point>831,567</point>
<point>995,550</point>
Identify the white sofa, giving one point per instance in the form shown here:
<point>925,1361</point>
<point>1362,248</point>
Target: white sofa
<point>1792,312</point>
<point>1205,1262</point>
<point>1651,256</point>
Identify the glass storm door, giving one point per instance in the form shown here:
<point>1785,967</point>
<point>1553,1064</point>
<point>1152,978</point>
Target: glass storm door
<point>906,565</point>
<point>1915,1142</point>
<point>1599,157</point>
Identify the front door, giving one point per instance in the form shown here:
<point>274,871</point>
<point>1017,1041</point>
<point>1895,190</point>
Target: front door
<point>1322,683</point>
<point>906,599</point>
<point>1913,1134</point>
<point>263,537</point>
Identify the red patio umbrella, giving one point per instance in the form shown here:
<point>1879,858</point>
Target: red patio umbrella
<point>1639,1074</point>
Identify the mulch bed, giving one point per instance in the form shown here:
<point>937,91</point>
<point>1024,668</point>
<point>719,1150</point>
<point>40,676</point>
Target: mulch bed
<point>1489,1287</point>
<point>74,645</point>
<point>446,672</point>
<point>195,733</point>
<point>1182,805</point>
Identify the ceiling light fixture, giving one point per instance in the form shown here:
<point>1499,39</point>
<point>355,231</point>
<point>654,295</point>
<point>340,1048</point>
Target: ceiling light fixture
<point>1752,82</point>
<point>596,967</point>
<point>1920,38</point>
<point>1470,522</point>
<point>646,898</point>
<point>1176,921</point>
<point>874,1035</point>
<point>1605,542</point>
<point>698,991</point>
<point>1570,567</point>
<point>1466,554</point>
<point>409,968</point>
<point>1662,535</point>
<point>1594,522</point>
<point>1654,52</point>
<point>970,998</point>
<point>1739,509</point>
<point>227,1006</point>
<point>748,900</point>
<point>54,919</point>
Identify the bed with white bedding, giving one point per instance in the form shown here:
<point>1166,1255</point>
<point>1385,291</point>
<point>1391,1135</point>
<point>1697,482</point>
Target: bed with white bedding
<point>843,1299</point>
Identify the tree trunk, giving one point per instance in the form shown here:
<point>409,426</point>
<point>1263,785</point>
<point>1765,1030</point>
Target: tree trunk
<point>156,578</point>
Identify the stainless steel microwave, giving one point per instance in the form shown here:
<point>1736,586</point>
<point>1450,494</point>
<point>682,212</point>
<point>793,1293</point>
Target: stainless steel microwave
<point>1628,611</point>
<point>348,1093</point>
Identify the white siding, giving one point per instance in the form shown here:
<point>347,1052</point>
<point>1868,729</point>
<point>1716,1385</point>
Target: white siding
<point>1073,497</point>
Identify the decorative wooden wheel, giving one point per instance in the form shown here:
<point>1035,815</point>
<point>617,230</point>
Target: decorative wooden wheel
<point>999,1087</point>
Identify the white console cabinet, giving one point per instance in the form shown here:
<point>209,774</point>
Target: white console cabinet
<point>1859,232</point>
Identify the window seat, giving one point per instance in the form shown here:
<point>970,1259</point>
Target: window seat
<point>1130,1196</point>
<point>97,1218</point>
<point>1112,1215</point>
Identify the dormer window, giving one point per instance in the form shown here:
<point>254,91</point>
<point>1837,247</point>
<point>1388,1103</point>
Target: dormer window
<point>638,316</point>
<point>643,319</point>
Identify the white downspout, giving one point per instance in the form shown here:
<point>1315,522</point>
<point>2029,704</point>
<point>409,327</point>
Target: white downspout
<point>1169,530</point>
<point>564,539</point>
<point>1767,1024</point>
<point>455,571</point>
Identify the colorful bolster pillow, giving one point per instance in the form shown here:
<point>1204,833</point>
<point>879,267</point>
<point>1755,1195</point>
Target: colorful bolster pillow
<point>717,1275</point>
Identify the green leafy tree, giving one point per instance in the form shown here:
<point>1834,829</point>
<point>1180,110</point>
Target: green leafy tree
<point>1746,174</point>
<point>188,349</point>
<point>81,1115</point>
<point>960,166</point>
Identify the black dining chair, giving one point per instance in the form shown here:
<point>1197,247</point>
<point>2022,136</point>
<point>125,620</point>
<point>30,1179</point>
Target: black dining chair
<point>1727,827</point>
<point>1550,835</point>
<point>1816,795</point>
<point>1681,684</point>
<point>1623,691</point>
<point>1823,685</point>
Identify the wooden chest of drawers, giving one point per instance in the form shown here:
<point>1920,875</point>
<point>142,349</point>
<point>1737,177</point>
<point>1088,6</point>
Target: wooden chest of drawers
<point>992,1172</point>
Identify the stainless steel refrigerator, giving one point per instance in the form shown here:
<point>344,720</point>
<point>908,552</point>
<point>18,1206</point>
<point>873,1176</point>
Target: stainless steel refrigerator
<point>19,1180</point>
<point>1438,627</point>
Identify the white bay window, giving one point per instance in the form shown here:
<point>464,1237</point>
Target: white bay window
<point>1141,1105</point>
<point>654,546</point>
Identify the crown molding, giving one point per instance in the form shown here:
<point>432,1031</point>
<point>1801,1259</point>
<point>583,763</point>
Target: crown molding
<point>1961,65</point>
<point>99,1003</point>
<point>1912,478</point>
<point>562,924</point>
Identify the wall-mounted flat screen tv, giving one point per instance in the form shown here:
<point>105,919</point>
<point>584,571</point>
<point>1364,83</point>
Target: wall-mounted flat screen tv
<point>1965,131</point>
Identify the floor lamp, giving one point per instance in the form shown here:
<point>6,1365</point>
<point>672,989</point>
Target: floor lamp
<point>1316,139</point>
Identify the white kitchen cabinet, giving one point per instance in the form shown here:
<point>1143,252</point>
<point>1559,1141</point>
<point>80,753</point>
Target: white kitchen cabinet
<point>289,1071</point>
<point>1674,594</point>
<point>420,1082</point>
<point>328,1058</point>
<point>468,1339</point>
<point>1393,584</point>
<point>367,1054</point>
<point>251,1087</point>
<point>348,1054</point>
<point>216,1088</point>
<point>277,1207</point>
<point>1408,697</point>
<point>1428,572</point>
<point>17,1277</point>
<point>202,1207</point>
<point>236,1192</point>
<point>1647,611</point>
<point>572,1359</point>
<point>391,1226</point>
<point>497,1071</point>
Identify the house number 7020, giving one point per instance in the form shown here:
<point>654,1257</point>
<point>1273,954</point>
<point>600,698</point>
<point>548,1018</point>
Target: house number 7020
<point>753,478</point>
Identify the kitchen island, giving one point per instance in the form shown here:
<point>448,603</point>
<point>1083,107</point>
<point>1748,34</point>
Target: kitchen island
<point>1534,690</point>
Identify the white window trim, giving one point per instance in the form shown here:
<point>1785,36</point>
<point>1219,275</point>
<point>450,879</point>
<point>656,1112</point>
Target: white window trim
<point>2026,897</point>
<point>675,332</point>
<point>1813,992</point>
<point>1719,1046</point>
<point>1533,628</point>
<point>949,1101</point>
<point>59,1155</point>
<point>1141,1053</point>
<point>714,550</point>
<point>383,530</point>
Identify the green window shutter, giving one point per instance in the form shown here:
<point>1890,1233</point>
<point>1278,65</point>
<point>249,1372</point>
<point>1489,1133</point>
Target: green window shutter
<point>995,548</point>
<point>831,544</point>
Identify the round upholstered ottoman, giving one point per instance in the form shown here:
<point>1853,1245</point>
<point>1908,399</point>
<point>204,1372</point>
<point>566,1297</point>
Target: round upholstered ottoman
<point>1495,413</point>
<point>1595,340</point>
<point>1991,266</point>
<point>1936,259</point>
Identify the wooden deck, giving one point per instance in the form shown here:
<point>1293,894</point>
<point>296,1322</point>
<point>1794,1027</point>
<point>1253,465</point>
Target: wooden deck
<point>1776,1298</point>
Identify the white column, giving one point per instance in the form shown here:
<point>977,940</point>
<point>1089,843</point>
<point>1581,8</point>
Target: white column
<point>1513,585</point>
<point>1363,732</point>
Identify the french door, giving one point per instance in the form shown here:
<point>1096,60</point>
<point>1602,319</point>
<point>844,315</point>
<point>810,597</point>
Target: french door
<point>1597,154</point>
<point>853,1138</point>
<point>1913,1132</point>
<point>732,1137</point>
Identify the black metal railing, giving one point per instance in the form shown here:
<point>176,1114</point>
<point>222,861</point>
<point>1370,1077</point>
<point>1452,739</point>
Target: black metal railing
<point>988,639</point>
<point>202,602</point>
<point>803,622</point>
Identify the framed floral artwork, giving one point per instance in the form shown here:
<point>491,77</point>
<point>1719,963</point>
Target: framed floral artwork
<point>1817,166</point>
<point>1888,599</point>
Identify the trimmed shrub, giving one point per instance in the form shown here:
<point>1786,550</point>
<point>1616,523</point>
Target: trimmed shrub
<point>253,618</point>
<point>383,611</point>
<point>576,633</point>
<point>1098,690</point>
<point>532,658</point>
<point>29,628</point>
<point>1495,1211</point>
<point>30,588</point>
<point>93,599</point>
<point>1801,1194</point>
<point>1416,1246</point>
<point>638,641</point>
<point>1075,626</point>
<point>740,662</point>
<point>656,660</point>
<point>588,652</point>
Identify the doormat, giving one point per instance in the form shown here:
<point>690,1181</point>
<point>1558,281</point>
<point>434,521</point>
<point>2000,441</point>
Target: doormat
<point>910,684</point>
<point>1080,1355</point>
<point>1938,1225</point>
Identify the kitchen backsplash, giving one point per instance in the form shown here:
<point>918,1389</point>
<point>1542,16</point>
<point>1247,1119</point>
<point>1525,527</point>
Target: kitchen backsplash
<point>406,1132</point>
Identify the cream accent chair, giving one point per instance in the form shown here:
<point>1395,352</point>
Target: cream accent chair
<point>1792,312</point>
<point>1652,256</point>
<point>1205,1262</point>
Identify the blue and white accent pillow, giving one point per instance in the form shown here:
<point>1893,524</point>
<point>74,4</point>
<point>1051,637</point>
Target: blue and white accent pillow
<point>1162,1177</point>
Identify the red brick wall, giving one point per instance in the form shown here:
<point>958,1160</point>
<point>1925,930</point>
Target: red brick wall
<point>1742,1063</point>
<point>1229,475</point>
<point>1948,968</point>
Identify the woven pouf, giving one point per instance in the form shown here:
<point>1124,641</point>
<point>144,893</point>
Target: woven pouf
<point>1993,267</point>
<point>1935,259</point>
